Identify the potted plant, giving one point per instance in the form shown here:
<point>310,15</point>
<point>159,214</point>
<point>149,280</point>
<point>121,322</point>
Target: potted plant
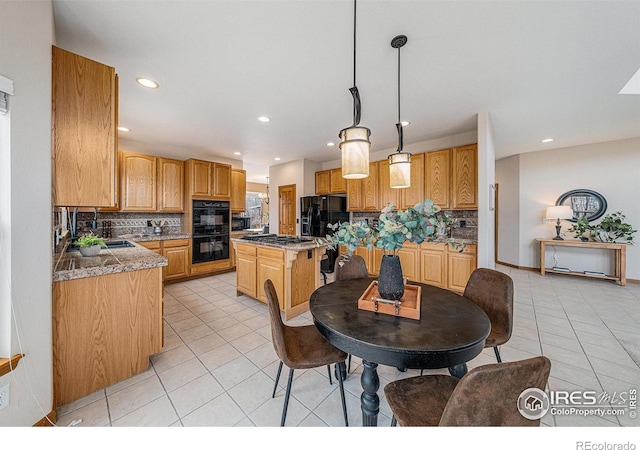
<point>613,228</point>
<point>580,228</point>
<point>90,245</point>
<point>415,224</point>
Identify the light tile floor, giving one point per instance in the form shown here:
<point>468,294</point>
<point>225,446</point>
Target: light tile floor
<point>218,365</point>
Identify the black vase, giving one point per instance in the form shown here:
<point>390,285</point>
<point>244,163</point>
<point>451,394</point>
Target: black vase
<point>390,280</point>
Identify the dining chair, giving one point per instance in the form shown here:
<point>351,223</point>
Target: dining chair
<point>492,291</point>
<point>350,268</point>
<point>301,347</point>
<point>486,396</point>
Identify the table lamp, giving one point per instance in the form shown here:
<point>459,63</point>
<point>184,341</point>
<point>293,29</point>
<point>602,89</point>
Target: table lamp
<point>557,213</point>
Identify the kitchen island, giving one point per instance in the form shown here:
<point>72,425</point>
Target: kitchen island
<point>292,264</point>
<point>107,318</point>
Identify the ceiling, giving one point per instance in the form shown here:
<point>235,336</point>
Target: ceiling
<point>541,69</point>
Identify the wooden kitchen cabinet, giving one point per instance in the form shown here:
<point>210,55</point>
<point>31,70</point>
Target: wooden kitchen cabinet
<point>447,267</point>
<point>138,182</point>
<point>409,256</point>
<point>415,193</point>
<point>459,267</point>
<point>433,264</point>
<point>337,184</point>
<point>323,182</point>
<point>84,131</point>
<point>370,192</point>
<point>387,194</point>
<point>177,253</point>
<point>208,180</point>
<point>104,330</point>
<point>354,195</point>
<point>238,190</point>
<point>170,185</point>
<point>246,263</point>
<point>437,173</point>
<point>464,174</point>
<point>270,266</point>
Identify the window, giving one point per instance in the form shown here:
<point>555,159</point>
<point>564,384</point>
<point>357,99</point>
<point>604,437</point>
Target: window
<point>254,209</point>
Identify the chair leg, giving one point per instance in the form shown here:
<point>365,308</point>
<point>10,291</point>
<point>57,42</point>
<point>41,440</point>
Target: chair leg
<point>495,349</point>
<point>275,386</point>
<point>349,367</point>
<point>329,372</point>
<point>286,398</point>
<point>421,372</point>
<point>394,421</point>
<point>340,375</point>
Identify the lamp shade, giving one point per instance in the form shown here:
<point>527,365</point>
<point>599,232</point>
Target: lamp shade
<point>400,170</point>
<point>354,144</point>
<point>559,212</point>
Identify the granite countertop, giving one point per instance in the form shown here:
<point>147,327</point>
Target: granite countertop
<point>72,265</point>
<point>311,244</point>
<point>147,237</point>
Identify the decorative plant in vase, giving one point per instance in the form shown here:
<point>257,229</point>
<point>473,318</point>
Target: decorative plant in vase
<point>90,245</point>
<point>613,228</point>
<point>415,224</point>
<point>581,228</point>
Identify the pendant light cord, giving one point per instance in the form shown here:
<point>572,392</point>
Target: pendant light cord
<point>354,42</point>
<point>399,86</point>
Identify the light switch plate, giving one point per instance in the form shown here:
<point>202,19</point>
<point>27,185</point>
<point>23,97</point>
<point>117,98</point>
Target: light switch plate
<point>4,396</point>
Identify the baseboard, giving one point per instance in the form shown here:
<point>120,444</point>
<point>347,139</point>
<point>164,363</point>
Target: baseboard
<point>47,421</point>
<point>537,269</point>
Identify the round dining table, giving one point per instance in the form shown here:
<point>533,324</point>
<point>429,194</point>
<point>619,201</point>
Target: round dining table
<point>451,331</point>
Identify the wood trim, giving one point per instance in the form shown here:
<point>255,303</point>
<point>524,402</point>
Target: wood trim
<point>9,364</point>
<point>47,421</point>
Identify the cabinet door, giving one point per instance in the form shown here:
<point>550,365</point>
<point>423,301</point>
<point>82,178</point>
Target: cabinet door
<point>155,246</point>
<point>247,266</point>
<point>460,266</point>
<point>272,269</point>
<point>387,194</point>
<point>338,184</point>
<point>200,178</point>
<point>84,111</point>
<point>238,190</point>
<point>409,260</point>
<point>138,181</point>
<point>376,260</point>
<point>323,182</point>
<point>433,264</point>
<point>438,182</point>
<point>170,185</point>
<point>366,255</point>
<point>465,177</point>
<point>370,193</point>
<point>177,254</point>
<point>415,193</point>
<point>354,195</point>
<point>222,180</point>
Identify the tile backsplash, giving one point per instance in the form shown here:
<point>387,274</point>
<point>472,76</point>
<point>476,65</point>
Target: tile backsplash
<point>467,217</point>
<point>128,223</point>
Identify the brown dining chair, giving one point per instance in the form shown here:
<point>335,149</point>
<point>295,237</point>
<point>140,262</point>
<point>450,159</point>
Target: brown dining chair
<point>350,268</point>
<point>492,291</point>
<point>486,396</point>
<point>301,347</point>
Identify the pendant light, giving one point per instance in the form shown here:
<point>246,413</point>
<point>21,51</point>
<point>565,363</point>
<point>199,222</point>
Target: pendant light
<point>399,162</point>
<point>354,141</point>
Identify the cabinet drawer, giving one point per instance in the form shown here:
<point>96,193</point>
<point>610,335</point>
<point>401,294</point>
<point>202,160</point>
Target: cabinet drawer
<point>170,243</point>
<point>433,246</point>
<point>469,248</point>
<point>245,249</point>
<point>271,253</point>
<point>151,245</point>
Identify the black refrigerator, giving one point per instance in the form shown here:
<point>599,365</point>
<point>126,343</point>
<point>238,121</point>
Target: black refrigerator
<point>317,212</point>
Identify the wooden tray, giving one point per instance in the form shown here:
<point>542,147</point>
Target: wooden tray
<point>408,306</point>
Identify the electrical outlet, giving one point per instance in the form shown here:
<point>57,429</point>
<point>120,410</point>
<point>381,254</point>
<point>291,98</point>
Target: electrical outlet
<point>463,223</point>
<point>149,223</point>
<point>4,396</point>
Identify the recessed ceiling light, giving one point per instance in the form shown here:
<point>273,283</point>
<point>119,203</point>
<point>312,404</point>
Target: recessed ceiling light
<point>404,123</point>
<point>547,140</point>
<point>236,153</point>
<point>146,82</point>
<point>277,159</point>
<point>264,119</point>
<point>330,144</point>
<point>123,129</point>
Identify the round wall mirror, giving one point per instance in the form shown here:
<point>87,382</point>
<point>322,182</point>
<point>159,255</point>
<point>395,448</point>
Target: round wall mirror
<point>584,203</point>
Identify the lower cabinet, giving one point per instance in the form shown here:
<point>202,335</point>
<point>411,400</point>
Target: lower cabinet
<point>177,253</point>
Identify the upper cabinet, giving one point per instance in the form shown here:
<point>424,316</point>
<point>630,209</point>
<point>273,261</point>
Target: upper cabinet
<point>238,190</point>
<point>170,185</point>
<point>387,193</point>
<point>208,180</point>
<point>330,182</point>
<point>84,131</point>
<point>414,194</point>
<point>464,174</point>
<point>138,182</point>
<point>437,172</point>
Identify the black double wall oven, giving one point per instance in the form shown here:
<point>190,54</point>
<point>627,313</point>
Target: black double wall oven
<point>210,240</point>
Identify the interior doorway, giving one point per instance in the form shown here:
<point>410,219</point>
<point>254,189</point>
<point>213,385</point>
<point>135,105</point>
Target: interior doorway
<point>287,210</point>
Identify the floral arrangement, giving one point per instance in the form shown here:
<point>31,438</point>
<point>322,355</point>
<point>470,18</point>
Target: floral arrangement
<point>415,224</point>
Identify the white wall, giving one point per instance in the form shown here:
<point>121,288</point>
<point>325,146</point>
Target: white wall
<point>486,180</point>
<point>508,204</point>
<point>610,168</point>
<point>282,175</point>
<point>26,33</point>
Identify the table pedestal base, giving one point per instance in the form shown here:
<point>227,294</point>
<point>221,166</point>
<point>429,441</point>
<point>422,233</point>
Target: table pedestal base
<point>370,402</point>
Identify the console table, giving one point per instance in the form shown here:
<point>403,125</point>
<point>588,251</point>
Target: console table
<point>620,275</point>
